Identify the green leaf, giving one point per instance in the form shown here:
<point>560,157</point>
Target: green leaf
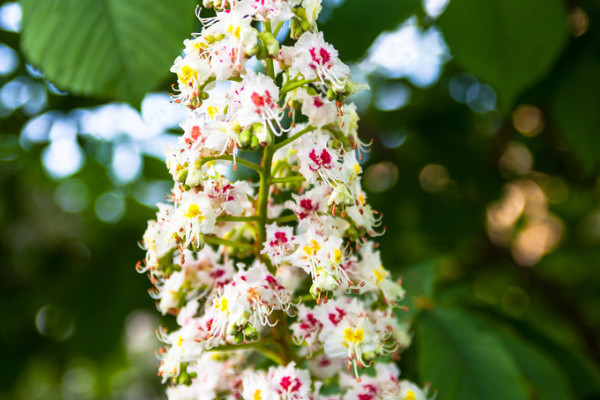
<point>418,281</point>
<point>106,48</point>
<point>508,43</point>
<point>540,370</point>
<point>463,359</point>
<point>576,106</point>
<point>351,31</point>
<point>577,366</point>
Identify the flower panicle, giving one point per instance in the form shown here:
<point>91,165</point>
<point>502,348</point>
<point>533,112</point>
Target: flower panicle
<point>286,268</point>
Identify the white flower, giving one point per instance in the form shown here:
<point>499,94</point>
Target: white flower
<point>196,216</point>
<point>316,59</point>
<point>255,99</point>
<point>257,386</point>
<point>313,9</point>
<point>160,239</point>
<point>290,382</point>
<point>280,243</point>
<point>318,109</point>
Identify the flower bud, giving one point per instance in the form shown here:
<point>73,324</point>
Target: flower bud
<point>181,175</point>
<point>245,138</point>
<point>270,43</point>
<point>238,338</point>
<point>251,333</point>
<point>254,143</point>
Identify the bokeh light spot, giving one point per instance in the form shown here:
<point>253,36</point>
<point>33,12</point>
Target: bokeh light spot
<point>55,323</point>
<point>528,120</point>
<point>516,160</point>
<point>381,177</point>
<point>434,178</point>
<point>72,195</point>
<point>9,60</point>
<point>578,22</point>
<point>110,207</point>
<point>10,16</point>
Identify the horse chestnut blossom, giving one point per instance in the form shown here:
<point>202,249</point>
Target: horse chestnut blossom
<point>278,290</point>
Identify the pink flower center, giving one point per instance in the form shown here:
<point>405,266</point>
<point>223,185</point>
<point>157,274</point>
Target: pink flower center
<point>322,160</point>
<point>320,58</point>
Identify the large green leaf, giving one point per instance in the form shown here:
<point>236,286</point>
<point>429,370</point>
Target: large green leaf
<point>541,371</point>
<point>352,31</point>
<point>508,43</point>
<point>463,359</point>
<point>106,48</point>
<point>576,106</point>
<point>419,282</point>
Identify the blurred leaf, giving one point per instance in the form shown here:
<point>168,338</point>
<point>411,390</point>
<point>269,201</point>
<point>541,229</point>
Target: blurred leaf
<point>576,106</point>
<point>544,374</point>
<point>508,43</point>
<point>350,21</point>
<point>463,359</point>
<point>578,368</point>
<point>418,281</point>
<point>105,48</point>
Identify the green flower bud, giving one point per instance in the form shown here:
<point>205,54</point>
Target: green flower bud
<point>331,94</point>
<point>238,338</point>
<point>296,28</point>
<point>270,43</point>
<point>251,333</point>
<point>306,26</point>
<point>245,138</point>
<point>301,13</point>
<point>262,52</point>
<point>254,143</point>
<point>181,175</point>
<point>369,356</point>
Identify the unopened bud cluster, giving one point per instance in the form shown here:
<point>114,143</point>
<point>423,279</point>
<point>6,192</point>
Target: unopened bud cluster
<point>277,289</point>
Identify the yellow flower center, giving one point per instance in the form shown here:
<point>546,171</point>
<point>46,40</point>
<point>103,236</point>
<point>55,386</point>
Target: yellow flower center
<point>356,170</point>
<point>179,341</point>
<point>212,111</point>
<point>222,304</point>
<point>257,395</point>
<point>337,256</point>
<point>194,212</point>
<point>312,249</point>
<point>380,273</point>
<point>410,395</point>
<point>235,32</point>
<point>187,74</point>
<point>353,335</point>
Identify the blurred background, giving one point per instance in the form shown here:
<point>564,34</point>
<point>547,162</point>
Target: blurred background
<point>485,120</point>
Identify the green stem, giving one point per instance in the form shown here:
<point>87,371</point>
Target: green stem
<point>293,85</point>
<point>286,218</point>
<point>233,218</point>
<point>307,298</point>
<point>257,346</point>
<point>226,157</point>
<point>263,198</point>
<point>219,241</point>
<point>288,179</point>
<point>294,137</point>
<point>281,334</point>
<point>277,29</point>
<point>269,60</point>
